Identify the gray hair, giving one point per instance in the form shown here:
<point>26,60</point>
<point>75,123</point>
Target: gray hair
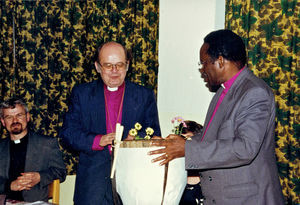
<point>12,103</point>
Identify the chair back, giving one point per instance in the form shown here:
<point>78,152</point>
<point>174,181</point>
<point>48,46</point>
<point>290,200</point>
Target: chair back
<point>54,191</point>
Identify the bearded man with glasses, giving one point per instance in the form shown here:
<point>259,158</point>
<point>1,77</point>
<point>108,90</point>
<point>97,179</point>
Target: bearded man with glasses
<point>29,162</point>
<point>89,125</point>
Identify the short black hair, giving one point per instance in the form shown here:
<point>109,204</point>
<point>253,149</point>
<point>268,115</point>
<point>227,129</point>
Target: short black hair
<point>227,44</point>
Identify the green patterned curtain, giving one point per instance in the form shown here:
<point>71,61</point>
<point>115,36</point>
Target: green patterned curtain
<point>270,30</point>
<point>47,47</point>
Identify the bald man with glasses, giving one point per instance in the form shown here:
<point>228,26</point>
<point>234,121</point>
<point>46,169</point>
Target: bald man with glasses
<point>89,125</point>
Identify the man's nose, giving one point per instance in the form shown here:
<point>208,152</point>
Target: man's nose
<point>15,119</point>
<point>114,68</point>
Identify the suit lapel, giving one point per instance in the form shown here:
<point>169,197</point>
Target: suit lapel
<point>31,152</point>
<point>128,112</point>
<point>5,162</point>
<point>227,102</point>
<point>211,109</point>
<point>97,103</point>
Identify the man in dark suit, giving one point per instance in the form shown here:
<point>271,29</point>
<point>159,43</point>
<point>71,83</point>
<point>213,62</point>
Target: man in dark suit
<point>236,150</point>
<point>89,125</point>
<point>28,162</point>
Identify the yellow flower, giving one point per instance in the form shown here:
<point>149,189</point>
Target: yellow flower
<point>138,126</point>
<point>147,137</point>
<point>133,132</point>
<point>149,131</point>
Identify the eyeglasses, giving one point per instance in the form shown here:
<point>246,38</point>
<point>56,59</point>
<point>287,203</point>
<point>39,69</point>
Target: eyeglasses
<point>119,66</point>
<point>19,116</point>
<point>202,63</point>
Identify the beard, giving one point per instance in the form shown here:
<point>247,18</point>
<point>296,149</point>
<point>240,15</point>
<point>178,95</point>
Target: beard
<point>214,88</point>
<point>211,87</point>
<point>16,128</point>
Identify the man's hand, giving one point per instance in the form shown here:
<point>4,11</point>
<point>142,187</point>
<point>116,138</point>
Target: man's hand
<point>33,178</point>
<point>17,185</point>
<point>174,148</point>
<point>26,181</point>
<point>129,137</point>
<point>107,139</point>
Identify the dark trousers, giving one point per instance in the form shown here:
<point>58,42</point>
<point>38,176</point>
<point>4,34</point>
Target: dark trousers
<point>192,195</point>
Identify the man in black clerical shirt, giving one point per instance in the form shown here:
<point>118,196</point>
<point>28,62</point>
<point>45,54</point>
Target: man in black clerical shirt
<point>29,162</point>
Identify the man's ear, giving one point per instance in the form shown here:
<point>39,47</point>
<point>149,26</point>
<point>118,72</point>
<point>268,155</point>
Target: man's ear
<point>127,65</point>
<point>2,121</point>
<point>98,67</point>
<point>221,61</point>
<point>27,116</point>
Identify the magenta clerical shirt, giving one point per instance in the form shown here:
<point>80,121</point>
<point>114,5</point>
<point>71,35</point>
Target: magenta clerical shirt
<point>226,86</point>
<point>113,107</point>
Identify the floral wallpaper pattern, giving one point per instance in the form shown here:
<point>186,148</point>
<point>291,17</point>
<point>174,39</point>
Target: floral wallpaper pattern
<point>270,30</point>
<point>47,47</point>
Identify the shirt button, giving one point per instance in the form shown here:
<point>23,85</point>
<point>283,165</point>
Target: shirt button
<point>210,178</point>
<point>213,201</point>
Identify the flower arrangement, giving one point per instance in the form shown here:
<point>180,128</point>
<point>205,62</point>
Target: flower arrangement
<point>137,127</point>
<point>177,129</point>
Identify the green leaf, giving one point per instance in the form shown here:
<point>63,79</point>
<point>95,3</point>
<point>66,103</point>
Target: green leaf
<point>272,29</point>
<point>288,7</point>
<point>30,46</point>
<point>40,15</point>
<point>293,98</point>
<point>296,189</point>
<point>282,116</point>
<point>282,169</point>
<point>294,44</point>
<point>248,20</point>
<point>259,4</point>
<point>297,72</point>
<point>257,54</point>
<point>285,63</point>
<point>236,10</point>
<point>74,15</point>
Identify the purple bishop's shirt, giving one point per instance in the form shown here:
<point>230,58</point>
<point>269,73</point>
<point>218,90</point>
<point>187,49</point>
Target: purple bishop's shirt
<point>226,86</point>
<point>113,99</point>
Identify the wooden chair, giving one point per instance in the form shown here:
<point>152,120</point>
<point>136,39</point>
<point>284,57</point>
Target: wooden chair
<point>54,191</point>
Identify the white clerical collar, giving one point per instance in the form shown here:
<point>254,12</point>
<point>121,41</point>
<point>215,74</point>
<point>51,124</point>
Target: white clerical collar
<point>223,86</point>
<point>112,89</point>
<point>17,141</point>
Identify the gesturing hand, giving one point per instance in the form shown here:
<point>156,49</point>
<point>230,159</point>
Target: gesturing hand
<point>174,148</point>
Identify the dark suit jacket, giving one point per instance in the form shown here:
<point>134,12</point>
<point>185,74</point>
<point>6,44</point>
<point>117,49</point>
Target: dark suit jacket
<point>86,119</point>
<point>43,156</point>
<point>237,155</point>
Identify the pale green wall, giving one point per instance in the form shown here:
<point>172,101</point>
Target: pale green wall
<point>182,27</point>
<point>67,191</point>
